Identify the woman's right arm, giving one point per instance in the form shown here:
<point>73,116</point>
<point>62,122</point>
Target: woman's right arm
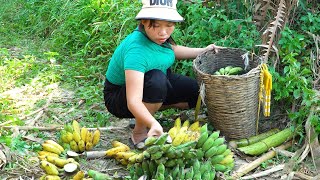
<point>134,92</point>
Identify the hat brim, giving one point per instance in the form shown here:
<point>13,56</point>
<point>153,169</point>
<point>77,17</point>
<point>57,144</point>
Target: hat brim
<point>164,14</point>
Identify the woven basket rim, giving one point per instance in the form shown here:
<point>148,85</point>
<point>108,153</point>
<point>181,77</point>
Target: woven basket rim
<point>250,73</point>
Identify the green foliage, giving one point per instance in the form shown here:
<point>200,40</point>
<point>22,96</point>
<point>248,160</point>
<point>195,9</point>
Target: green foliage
<point>311,22</point>
<point>92,28</point>
<point>18,144</point>
<point>293,83</point>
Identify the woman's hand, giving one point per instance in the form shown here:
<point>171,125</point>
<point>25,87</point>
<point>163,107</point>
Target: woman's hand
<point>212,47</point>
<point>155,129</point>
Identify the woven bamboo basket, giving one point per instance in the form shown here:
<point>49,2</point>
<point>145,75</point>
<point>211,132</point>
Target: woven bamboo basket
<point>231,101</point>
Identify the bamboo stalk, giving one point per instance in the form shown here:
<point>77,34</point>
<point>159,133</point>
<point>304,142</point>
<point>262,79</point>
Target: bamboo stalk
<point>248,167</point>
<point>253,139</point>
<point>267,143</point>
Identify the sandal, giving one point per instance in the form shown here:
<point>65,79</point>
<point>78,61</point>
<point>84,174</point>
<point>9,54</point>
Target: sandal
<point>140,145</point>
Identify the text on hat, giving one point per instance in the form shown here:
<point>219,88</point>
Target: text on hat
<point>161,2</point>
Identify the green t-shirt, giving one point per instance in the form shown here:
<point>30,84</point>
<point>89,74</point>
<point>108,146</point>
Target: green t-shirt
<point>137,52</point>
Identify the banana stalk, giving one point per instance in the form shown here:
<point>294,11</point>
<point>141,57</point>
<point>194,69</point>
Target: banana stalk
<point>265,144</point>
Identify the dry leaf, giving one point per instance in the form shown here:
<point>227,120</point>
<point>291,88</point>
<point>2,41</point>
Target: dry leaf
<point>3,159</point>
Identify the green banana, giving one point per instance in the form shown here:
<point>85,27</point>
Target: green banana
<point>235,70</point>
<point>170,163</point>
<point>202,139</point>
<point>161,160</point>
<point>146,154</point>
<point>214,135</point>
<point>210,152</point>
<point>165,147</point>
<point>161,168</point>
<point>204,128</point>
<point>152,167</point>
<point>200,154</point>
<point>221,149</point>
<point>206,175</point>
<point>162,139</point>
<point>138,169</point>
<point>221,71</point>
<point>171,154</point>
<point>145,168</point>
<point>216,159</point>
<point>175,172</point>
<point>220,167</point>
<point>227,69</point>
<point>218,141</point>
<point>156,155</point>
<point>153,149</point>
<point>207,145</point>
<point>150,141</point>
<point>189,173</point>
<point>196,165</point>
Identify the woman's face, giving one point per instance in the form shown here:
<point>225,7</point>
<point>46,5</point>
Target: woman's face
<point>159,31</point>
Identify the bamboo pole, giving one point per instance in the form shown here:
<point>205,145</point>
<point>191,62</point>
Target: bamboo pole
<point>254,164</point>
<point>264,173</point>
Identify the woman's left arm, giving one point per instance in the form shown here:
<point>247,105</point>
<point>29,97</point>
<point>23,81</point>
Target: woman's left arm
<point>183,52</point>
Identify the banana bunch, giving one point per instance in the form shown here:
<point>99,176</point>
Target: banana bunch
<point>51,162</point>
<point>213,148</point>
<point>184,133</point>
<point>160,153</point>
<point>120,151</point>
<point>79,139</point>
<point>195,159</point>
<point>229,70</point>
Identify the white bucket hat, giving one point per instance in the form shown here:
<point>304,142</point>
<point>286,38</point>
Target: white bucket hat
<point>160,10</point>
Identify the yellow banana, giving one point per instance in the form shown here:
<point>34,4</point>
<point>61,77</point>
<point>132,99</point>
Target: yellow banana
<point>74,146</point>
<point>81,145</point>
<point>76,126</point>
<point>63,136</point>
<point>124,162</point>
<point>42,157</point>
<point>125,155</point>
<point>227,160</point>
<point>173,132</point>
<point>186,123</point>
<point>177,123</point>
<point>194,126</point>
<point>69,136</point>
<point>51,148</point>
<point>55,144</point>
<point>179,138</point>
<point>46,153</point>
<point>89,137</point>
<point>115,143</point>
<point>51,177</point>
<point>49,168</point>
<point>58,161</point>
<point>113,151</point>
<point>96,137</point>
<point>83,133</point>
<point>78,176</point>
<point>76,136</point>
<point>89,146</point>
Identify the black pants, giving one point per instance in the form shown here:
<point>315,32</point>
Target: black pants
<point>158,88</point>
